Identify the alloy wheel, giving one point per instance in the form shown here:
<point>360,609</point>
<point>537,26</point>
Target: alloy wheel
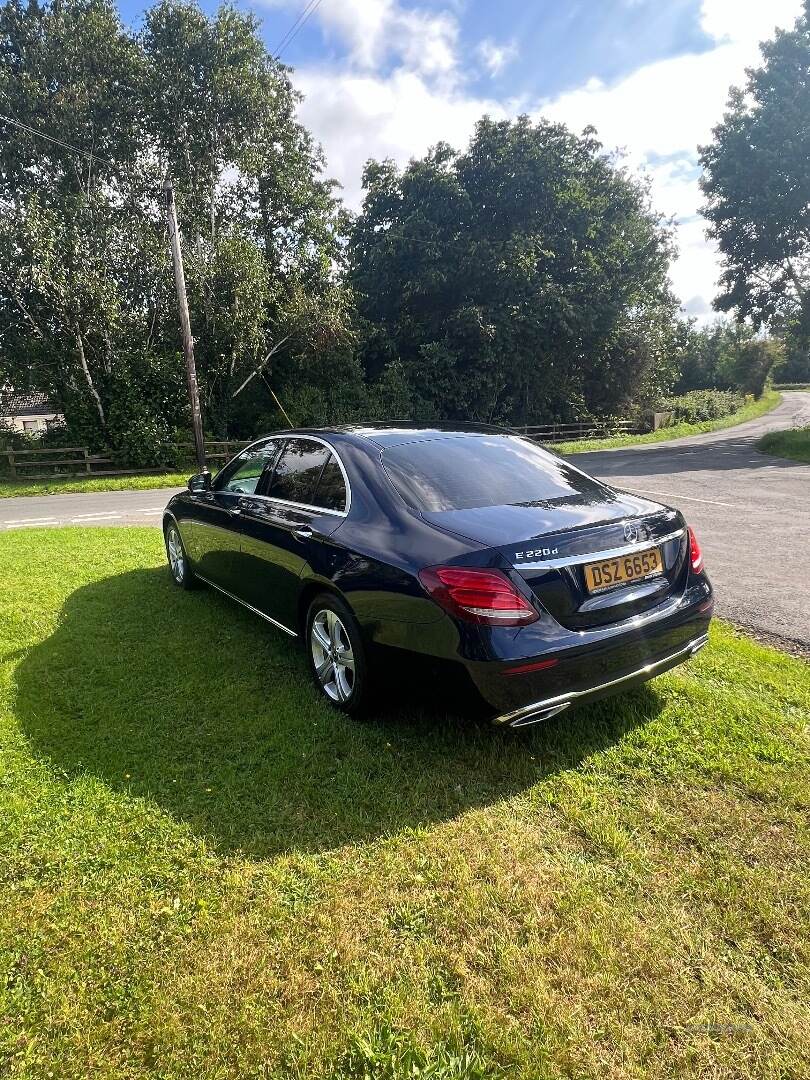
<point>332,655</point>
<point>177,561</point>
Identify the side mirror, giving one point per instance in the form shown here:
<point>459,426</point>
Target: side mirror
<point>201,481</point>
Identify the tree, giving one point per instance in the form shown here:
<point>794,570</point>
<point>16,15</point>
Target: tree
<point>726,356</point>
<point>757,184</point>
<point>520,280</point>
<point>87,310</point>
<point>754,362</point>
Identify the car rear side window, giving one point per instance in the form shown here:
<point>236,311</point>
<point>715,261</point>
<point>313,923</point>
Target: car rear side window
<point>331,490</point>
<point>298,471</point>
<point>492,470</point>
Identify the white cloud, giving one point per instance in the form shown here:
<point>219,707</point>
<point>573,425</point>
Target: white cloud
<point>746,20</point>
<point>358,116</point>
<point>375,32</point>
<point>495,57</point>
<point>665,110</point>
<point>401,90</point>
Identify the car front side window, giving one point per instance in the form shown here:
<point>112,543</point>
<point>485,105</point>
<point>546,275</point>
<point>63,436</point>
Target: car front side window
<point>242,475</point>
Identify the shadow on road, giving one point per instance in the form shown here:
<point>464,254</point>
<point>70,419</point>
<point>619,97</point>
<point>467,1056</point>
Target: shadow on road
<point>187,701</point>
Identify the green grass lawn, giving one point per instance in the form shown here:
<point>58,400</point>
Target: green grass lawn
<point>766,404</point>
<point>207,873</point>
<point>61,485</point>
<point>794,443</point>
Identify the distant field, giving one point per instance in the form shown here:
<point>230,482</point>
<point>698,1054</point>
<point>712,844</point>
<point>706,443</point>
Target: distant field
<point>794,444</point>
<point>766,404</point>
<point>208,873</point>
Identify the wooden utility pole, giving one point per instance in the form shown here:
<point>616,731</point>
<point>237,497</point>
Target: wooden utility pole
<point>185,324</point>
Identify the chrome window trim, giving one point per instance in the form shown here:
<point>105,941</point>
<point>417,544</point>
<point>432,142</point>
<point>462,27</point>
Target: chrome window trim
<point>305,506</point>
<point>294,505</point>
<point>563,701</point>
<point>245,604</point>
<point>287,502</point>
<point>595,556</point>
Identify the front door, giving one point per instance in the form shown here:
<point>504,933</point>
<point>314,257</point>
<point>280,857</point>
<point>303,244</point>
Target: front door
<point>217,515</point>
<point>286,527</point>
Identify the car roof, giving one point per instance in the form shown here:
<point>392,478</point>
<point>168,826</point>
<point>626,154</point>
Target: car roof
<point>391,433</point>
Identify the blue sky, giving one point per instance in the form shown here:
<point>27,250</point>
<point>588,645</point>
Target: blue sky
<point>389,78</point>
<point>555,45</point>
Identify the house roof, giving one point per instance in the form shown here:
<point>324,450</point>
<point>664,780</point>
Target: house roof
<point>25,403</point>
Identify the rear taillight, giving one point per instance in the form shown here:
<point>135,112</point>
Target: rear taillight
<point>480,596</point>
<point>695,554</point>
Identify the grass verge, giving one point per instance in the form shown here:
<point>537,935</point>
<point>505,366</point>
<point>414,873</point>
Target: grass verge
<point>207,872</point>
<point>793,443</point>
<point>766,404</point>
<point>61,485</point>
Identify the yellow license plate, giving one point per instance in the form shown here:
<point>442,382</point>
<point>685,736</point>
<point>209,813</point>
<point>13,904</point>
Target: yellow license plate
<point>625,568</point>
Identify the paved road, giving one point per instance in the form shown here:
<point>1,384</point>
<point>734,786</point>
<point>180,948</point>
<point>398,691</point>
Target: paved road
<point>92,508</point>
<point>751,513</point>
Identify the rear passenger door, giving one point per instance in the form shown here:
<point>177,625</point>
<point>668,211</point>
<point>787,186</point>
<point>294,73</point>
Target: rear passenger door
<point>284,528</point>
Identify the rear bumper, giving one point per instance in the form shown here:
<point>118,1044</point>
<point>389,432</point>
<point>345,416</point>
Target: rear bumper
<point>588,666</point>
<point>542,710</point>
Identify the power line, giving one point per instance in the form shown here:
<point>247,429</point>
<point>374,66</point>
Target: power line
<point>50,138</point>
<point>296,27</point>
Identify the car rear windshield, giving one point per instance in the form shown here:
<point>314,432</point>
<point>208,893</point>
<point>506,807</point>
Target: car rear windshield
<point>492,470</point>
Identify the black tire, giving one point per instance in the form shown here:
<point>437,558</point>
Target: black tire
<point>182,574</point>
<point>345,686</point>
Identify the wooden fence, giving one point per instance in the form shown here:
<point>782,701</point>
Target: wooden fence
<point>61,459</point>
<point>77,460</point>
<point>215,450</point>
<point>554,433</point>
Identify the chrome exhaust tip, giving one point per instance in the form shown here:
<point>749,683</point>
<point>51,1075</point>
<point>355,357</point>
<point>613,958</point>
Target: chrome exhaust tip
<point>541,714</point>
<point>539,710</point>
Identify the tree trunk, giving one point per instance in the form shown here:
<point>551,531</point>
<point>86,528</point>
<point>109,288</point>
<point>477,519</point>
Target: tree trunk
<point>803,295</point>
<point>89,378</point>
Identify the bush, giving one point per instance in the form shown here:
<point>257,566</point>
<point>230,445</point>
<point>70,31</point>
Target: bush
<point>11,439</point>
<point>699,405</point>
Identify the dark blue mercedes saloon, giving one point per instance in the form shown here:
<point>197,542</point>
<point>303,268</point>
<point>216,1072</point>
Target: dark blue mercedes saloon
<point>540,585</point>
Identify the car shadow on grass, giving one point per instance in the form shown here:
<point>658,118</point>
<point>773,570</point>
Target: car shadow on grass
<point>188,701</point>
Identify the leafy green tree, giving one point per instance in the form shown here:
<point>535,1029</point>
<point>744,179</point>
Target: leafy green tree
<point>87,305</point>
<point>262,226</point>
<point>794,364</point>
<point>757,185</point>
<point>726,356</point>
<point>702,355</point>
<point>754,362</point>
<point>520,280</point>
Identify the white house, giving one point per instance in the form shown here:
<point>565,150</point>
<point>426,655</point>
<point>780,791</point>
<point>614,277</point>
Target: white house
<point>27,411</point>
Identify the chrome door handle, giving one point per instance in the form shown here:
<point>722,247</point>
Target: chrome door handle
<point>304,533</point>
